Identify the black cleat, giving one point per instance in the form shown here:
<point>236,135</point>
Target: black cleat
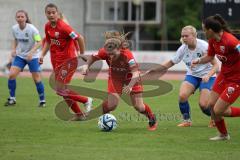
<point>42,104</point>
<point>10,102</point>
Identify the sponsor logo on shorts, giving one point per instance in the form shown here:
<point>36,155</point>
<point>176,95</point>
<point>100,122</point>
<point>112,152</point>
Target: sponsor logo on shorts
<point>222,49</point>
<point>230,90</point>
<point>222,58</point>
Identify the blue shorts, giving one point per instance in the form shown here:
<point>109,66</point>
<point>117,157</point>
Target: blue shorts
<point>197,82</point>
<point>33,65</point>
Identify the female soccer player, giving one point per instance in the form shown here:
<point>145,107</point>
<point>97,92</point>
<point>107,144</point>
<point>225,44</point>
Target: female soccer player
<point>226,88</point>
<point>60,39</point>
<point>123,76</point>
<point>25,52</point>
<point>201,76</point>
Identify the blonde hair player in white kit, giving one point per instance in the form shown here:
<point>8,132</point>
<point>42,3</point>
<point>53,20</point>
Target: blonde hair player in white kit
<point>201,76</point>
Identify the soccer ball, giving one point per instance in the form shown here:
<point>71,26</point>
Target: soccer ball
<point>107,122</point>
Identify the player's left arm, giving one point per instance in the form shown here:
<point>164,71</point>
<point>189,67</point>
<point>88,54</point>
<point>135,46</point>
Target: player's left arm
<point>135,74</point>
<point>135,78</point>
<point>234,43</point>
<point>38,43</point>
<point>78,39</point>
<point>81,44</point>
<point>81,49</point>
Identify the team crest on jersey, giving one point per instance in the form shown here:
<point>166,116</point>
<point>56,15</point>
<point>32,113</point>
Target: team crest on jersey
<point>56,34</point>
<point>26,34</point>
<point>199,55</point>
<point>222,49</point>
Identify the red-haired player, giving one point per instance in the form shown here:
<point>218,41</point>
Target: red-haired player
<point>226,88</point>
<point>60,39</point>
<point>123,76</point>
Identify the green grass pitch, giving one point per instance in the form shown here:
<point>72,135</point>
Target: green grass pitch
<point>31,133</point>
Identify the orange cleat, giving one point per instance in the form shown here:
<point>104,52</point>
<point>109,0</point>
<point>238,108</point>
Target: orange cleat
<point>153,124</point>
<point>185,124</point>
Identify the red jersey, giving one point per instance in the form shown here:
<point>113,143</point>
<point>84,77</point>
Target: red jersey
<point>120,68</point>
<point>61,39</point>
<point>227,52</point>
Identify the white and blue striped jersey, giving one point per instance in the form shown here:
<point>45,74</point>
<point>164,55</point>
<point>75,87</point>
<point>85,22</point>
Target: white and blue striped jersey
<point>186,55</point>
<point>26,40</point>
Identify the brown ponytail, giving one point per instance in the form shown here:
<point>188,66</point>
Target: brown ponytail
<point>216,23</point>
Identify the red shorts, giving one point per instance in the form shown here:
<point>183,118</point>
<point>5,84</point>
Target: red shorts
<point>116,86</point>
<point>64,71</point>
<point>228,91</point>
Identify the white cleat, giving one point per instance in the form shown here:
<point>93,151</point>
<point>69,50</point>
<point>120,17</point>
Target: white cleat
<point>88,104</point>
<point>220,138</point>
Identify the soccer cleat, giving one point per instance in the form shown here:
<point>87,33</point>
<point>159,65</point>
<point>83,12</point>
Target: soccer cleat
<point>88,104</point>
<point>42,104</point>
<point>152,123</point>
<point>220,138</point>
<point>10,102</point>
<point>185,124</point>
<point>211,124</point>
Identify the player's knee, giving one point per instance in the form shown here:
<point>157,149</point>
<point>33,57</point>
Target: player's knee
<point>183,97</point>
<point>217,112</point>
<point>203,104</point>
<point>36,78</point>
<point>210,103</point>
<point>12,76</point>
<point>112,106</point>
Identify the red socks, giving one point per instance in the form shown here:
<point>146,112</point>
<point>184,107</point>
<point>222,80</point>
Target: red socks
<point>148,112</point>
<point>221,127</point>
<point>74,96</point>
<point>73,105</point>
<point>105,107</point>
<point>235,112</point>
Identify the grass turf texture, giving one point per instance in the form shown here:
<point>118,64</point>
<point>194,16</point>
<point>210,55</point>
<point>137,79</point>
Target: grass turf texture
<point>31,133</point>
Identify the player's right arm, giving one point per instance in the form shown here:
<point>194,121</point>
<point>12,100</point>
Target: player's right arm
<point>207,57</point>
<point>14,46</point>
<point>90,61</point>
<point>100,55</point>
<point>204,59</point>
<point>46,46</point>
<point>161,68</point>
<point>44,52</point>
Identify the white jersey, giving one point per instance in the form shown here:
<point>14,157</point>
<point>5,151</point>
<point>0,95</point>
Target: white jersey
<point>186,55</point>
<point>25,40</point>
